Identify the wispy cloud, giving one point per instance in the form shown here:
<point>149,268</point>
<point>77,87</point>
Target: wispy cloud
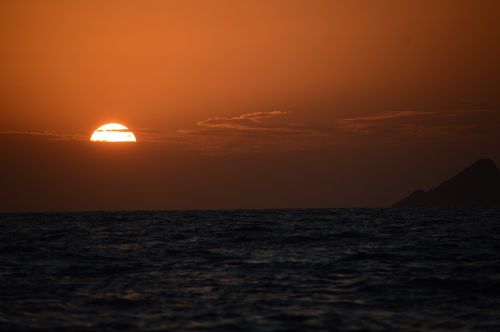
<point>249,121</point>
<point>275,131</point>
<point>45,134</point>
<point>370,123</point>
<point>404,124</point>
<point>272,131</point>
<point>254,132</point>
<point>387,115</point>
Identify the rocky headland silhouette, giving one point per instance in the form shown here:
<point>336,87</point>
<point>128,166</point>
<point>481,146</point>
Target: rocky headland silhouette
<point>476,186</point>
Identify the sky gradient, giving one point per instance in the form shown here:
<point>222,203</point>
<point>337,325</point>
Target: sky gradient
<point>243,104</point>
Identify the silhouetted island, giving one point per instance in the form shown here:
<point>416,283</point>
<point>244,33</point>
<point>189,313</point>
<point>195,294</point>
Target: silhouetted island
<point>476,186</point>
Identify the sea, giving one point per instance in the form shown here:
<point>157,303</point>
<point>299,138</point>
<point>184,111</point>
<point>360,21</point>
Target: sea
<point>251,270</point>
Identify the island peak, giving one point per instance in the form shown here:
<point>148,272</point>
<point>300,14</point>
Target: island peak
<point>478,185</point>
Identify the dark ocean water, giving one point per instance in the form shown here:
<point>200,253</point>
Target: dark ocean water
<point>261,270</point>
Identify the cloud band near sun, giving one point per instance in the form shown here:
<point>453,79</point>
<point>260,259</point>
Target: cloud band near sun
<point>274,131</point>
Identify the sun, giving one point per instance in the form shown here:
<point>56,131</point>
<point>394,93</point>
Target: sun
<point>113,132</point>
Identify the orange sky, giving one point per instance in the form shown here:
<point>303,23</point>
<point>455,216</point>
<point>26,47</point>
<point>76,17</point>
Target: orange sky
<point>237,84</point>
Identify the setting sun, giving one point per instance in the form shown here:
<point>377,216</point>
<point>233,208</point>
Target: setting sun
<point>113,132</point>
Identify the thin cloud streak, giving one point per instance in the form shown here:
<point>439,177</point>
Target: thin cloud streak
<point>405,124</point>
<point>49,135</point>
<point>387,115</point>
<point>249,121</point>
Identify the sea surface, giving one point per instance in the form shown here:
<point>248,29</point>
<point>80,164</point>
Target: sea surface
<point>251,270</point>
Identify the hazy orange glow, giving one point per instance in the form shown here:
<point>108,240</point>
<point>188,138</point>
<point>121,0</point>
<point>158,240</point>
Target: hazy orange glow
<point>242,104</point>
<point>113,132</point>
